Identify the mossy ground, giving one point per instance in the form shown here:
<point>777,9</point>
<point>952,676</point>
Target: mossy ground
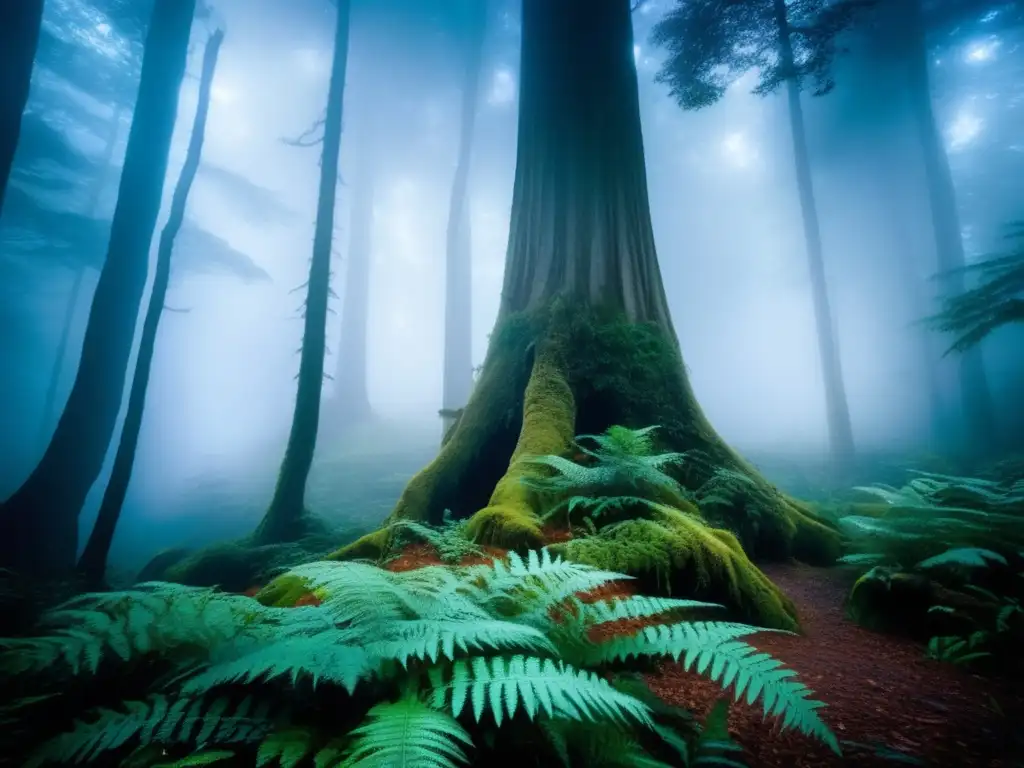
<point>570,370</point>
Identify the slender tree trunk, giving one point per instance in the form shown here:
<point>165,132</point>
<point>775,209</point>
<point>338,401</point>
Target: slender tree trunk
<point>975,395</point>
<point>79,280</point>
<point>20,21</point>
<point>351,399</point>
<point>284,518</point>
<point>93,563</point>
<point>458,301</point>
<point>840,431</point>
<point>39,523</point>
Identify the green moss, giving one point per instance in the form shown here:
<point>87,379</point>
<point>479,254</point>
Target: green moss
<point>680,552</point>
<point>372,546</point>
<point>510,518</point>
<point>283,592</point>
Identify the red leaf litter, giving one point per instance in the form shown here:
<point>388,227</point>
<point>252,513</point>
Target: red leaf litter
<point>880,690</point>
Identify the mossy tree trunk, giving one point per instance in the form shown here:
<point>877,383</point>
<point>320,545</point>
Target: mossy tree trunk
<point>285,517</point>
<point>20,23</point>
<point>584,339</point>
<point>458,298</point>
<point>975,396</point>
<point>39,523</point>
<point>93,563</point>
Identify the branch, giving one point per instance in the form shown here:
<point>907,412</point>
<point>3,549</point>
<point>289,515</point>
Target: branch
<point>309,137</point>
<point>180,310</point>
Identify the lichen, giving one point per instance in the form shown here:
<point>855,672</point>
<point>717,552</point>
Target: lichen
<point>680,552</point>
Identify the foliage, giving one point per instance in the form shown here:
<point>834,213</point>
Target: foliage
<point>450,539</point>
<point>413,668</point>
<point>997,299</point>
<point>934,514</point>
<point>712,43</point>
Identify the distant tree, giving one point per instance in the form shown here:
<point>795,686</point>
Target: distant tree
<point>20,22</point>
<point>39,523</point>
<point>92,565</point>
<point>711,43</point>
<point>351,401</point>
<point>458,298</point>
<point>286,518</point>
<point>909,15</point>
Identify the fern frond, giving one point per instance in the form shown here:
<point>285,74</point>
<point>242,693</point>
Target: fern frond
<point>199,758</point>
<point>323,657</point>
<point>500,685</point>
<point>967,557</point>
<point>287,747</point>
<point>431,640</point>
<point>640,607</point>
<point>408,734</point>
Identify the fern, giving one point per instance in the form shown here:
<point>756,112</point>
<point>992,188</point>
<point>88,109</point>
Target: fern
<point>966,557</point>
<point>503,641</point>
<point>408,734</point>
<point>451,539</point>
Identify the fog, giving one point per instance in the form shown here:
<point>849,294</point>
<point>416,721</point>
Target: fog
<point>724,205</point>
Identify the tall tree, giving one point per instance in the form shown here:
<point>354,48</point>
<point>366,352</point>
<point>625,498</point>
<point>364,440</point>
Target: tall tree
<point>93,563</point>
<point>77,283</point>
<point>710,44</point>
<point>39,523</point>
<point>351,401</point>
<point>458,307</point>
<point>285,518</point>
<point>19,36</point>
<point>584,339</point>
<point>976,399</point>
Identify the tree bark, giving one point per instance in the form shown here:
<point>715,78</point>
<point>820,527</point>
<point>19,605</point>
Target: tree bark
<point>458,301</point>
<point>284,518</point>
<point>351,399</point>
<point>584,339</point>
<point>975,395</point>
<point>93,563</point>
<point>20,22</point>
<point>79,280</point>
<point>39,523</point>
<point>840,432</point>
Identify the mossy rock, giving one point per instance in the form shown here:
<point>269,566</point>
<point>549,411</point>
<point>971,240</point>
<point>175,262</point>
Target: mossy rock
<point>888,600</point>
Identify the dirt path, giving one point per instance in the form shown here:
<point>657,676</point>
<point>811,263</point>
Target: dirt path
<point>879,690</point>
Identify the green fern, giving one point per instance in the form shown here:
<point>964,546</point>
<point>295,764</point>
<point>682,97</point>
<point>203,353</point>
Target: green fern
<point>503,641</point>
<point>408,734</point>
<point>450,539</point>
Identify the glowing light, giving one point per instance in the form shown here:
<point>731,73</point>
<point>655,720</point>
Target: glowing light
<point>103,28</point>
<point>737,150</point>
<point>965,128</point>
<point>223,95</point>
<point>311,61</point>
<point>979,53</point>
<point>503,87</point>
<point>636,54</point>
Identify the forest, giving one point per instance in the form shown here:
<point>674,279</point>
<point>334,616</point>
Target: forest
<point>438,383</point>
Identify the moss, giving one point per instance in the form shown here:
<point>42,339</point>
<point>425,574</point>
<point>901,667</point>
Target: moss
<point>680,552</point>
<point>283,592</point>
<point>510,518</point>
<point>372,546</point>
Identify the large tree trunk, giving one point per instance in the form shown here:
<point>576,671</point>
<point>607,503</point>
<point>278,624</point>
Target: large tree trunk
<point>840,432</point>
<point>39,523</point>
<point>351,401</point>
<point>71,309</point>
<point>20,21</point>
<point>584,339</point>
<point>458,299</point>
<point>975,396</point>
<point>285,518</point>
<point>93,563</point>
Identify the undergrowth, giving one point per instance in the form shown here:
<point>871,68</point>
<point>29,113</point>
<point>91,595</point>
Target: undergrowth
<point>432,667</point>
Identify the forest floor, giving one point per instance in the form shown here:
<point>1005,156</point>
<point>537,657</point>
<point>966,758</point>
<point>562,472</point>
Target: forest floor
<point>887,704</point>
<point>880,690</point>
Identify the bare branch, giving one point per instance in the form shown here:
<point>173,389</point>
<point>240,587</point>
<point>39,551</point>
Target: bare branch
<point>310,137</point>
